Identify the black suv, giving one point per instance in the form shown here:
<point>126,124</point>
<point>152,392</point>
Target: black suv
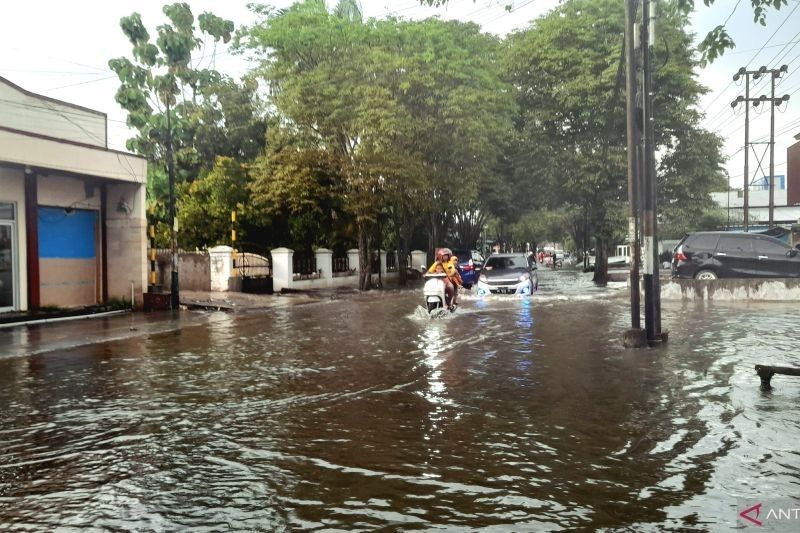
<point>722,254</point>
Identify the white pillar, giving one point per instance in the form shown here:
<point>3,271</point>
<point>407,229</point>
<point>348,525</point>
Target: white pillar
<point>382,254</point>
<point>419,260</point>
<point>324,262</point>
<point>352,259</point>
<point>221,267</point>
<point>282,269</point>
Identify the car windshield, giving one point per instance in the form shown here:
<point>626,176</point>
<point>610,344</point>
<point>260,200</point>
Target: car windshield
<point>515,261</point>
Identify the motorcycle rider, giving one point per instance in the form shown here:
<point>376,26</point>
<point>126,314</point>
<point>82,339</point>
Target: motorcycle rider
<point>449,263</point>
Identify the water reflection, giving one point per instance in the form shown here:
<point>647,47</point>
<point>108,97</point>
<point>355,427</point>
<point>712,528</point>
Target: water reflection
<point>355,414</point>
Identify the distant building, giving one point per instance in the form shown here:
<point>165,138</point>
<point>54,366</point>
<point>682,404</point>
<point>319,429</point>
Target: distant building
<point>786,197</point>
<point>793,171</point>
<point>72,211</point>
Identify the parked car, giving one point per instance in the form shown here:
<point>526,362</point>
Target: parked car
<point>470,263</point>
<point>513,273</point>
<point>721,254</point>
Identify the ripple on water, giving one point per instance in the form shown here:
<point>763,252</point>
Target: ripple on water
<point>518,414</point>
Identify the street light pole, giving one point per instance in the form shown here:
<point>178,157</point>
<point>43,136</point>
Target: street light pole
<point>175,300</point>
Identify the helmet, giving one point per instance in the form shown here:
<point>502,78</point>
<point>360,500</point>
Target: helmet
<point>443,254</point>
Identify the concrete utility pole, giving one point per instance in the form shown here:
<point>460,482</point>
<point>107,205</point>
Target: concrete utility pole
<point>635,337</point>
<point>746,73</point>
<point>652,295</point>
<point>774,74</point>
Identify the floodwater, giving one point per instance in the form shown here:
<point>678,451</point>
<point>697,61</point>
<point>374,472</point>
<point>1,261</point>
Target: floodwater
<point>359,414</point>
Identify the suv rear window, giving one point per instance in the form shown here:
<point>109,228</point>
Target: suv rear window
<point>703,241</point>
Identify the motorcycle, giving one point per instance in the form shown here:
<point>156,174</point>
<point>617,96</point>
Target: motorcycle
<point>434,293</point>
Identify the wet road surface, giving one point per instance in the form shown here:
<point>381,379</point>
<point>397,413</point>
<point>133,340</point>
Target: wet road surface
<point>360,414</point>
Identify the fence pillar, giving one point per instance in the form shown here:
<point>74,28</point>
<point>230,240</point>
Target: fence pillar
<point>352,259</point>
<point>282,269</point>
<point>419,259</point>
<point>221,267</point>
<point>382,254</point>
<point>324,262</point>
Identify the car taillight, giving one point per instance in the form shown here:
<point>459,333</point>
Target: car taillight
<point>679,255</point>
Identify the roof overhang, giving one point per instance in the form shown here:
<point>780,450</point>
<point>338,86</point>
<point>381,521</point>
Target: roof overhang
<point>42,152</point>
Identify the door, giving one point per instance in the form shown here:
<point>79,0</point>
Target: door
<point>773,259</point>
<point>67,256</point>
<point>736,256</point>
<point>8,258</point>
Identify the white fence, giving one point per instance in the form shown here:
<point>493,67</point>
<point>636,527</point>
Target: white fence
<point>319,272</point>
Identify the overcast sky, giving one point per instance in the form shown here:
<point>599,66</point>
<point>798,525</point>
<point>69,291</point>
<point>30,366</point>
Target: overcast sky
<point>61,49</point>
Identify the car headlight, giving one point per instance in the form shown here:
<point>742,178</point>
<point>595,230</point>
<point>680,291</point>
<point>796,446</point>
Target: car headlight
<point>525,277</point>
<point>482,278</point>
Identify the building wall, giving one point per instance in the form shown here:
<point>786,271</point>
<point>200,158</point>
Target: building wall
<point>25,111</point>
<point>793,173</point>
<point>127,241</point>
<point>12,189</point>
<point>23,149</point>
<point>68,278</point>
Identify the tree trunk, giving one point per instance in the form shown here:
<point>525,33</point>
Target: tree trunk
<point>404,231</point>
<point>364,259</point>
<point>600,261</point>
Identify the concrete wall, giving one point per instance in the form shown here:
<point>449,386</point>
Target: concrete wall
<point>12,190</point>
<point>126,240</point>
<point>26,111</point>
<point>194,271</point>
<point>732,289</point>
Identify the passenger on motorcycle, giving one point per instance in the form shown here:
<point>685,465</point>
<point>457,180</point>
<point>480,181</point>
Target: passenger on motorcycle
<point>449,263</point>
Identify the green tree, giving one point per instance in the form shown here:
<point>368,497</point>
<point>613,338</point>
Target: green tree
<point>686,177</point>
<point>568,68</point>
<point>206,205</point>
<point>210,115</point>
<point>715,42</point>
<point>406,117</point>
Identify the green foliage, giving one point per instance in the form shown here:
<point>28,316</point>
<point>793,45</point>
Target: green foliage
<point>568,67</point>
<point>210,115</point>
<point>391,118</point>
<point>206,205</point>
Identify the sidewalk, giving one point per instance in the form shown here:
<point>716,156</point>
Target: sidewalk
<point>239,301</point>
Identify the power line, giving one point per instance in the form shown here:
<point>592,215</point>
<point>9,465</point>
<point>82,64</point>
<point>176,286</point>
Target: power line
<point>756,54</point>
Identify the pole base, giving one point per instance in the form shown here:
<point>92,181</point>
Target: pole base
<point>634,338</point>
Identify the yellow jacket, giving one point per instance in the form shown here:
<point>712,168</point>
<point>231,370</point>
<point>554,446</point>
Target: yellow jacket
<point>450,268</point>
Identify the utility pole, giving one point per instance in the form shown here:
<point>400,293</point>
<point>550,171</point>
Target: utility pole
<point>652,296</point>
<point>746,73</point>
<point>774,74</point>
<point>175,300</point>
<point>635,337</point>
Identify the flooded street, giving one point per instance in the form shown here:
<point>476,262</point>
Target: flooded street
<point>359,413</point>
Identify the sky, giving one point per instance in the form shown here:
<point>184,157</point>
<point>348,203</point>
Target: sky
<point>65,56</point>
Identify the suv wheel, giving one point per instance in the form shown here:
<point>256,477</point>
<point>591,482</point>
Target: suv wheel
<point>705,274</point>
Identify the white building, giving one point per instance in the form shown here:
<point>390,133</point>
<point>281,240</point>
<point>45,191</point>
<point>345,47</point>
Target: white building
<point>72,211</point>
<point>758,207</point>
